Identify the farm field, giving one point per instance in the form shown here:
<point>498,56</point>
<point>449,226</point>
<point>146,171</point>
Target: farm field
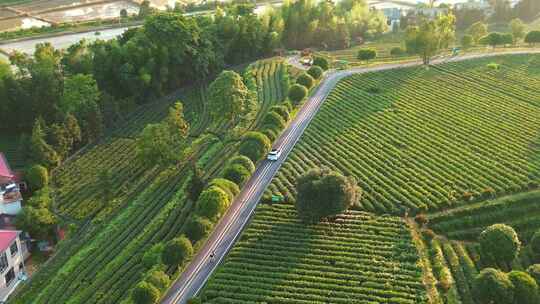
<point>422,139</point>
<point>361,258</point>
<point>149,205</point>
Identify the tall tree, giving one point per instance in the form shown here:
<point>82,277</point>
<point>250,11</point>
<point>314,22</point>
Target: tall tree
<point>518,29</point>
<point>229,97</point>
<point>477,31</point>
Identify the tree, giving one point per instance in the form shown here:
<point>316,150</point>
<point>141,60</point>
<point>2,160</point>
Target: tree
<point>196,183</point>
<point>40,151</point>
<point>305,80</point>
<point>145,9</point>
<point>212,203</point>
<point>159,279</point>
<point>533,37</point>
<point>123,13</point>
<point>494,39</point>
<point>197,228</point>
<point>229,97</point>
<point>493,286</point>
<point>321,62</point>
<point>525,288</point>
<point>38,222</point>
<point>518,29</point>
<point>499,243</point>
<point>478,30</point>
<point>255,145</point>
<point>244,161</point>
<point>367,54</point>
<point>535,244</point>
<point>152,256</point>
<point>297,93</point>
<point>71,125</point>
<point>467,41</point>
<point>322,193</point>
<point>534,271</point>
<point>37,177</point>
<point>80,91</point>
<point>432,35</point>
<point>236,173</point>
<point>315,72</point>
<point>177,251</point>
<point>145,293</point>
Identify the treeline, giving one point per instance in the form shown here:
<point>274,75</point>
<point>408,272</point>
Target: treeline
<point>502,12</point>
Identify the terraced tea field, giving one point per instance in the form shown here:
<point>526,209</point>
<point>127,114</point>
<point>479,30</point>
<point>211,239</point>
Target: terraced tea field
<point>361,258</point>
<point>420,139</point>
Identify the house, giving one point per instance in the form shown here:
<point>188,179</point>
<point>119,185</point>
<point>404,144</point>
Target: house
<point>13,252</point>
<point>10,195</point>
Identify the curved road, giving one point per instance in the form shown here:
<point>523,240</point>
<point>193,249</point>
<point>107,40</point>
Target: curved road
<point>235,219</point>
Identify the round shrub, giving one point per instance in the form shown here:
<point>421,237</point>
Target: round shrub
<point>270,133</point>
<point>226,185</point>
<point>366,54</point>
<point>282,110</point>
<point>397,51</point>
<point>197,228</point>
<point>535,244</point>
<point>297,93</point>
<point>493,286</point>
<point>525,287</point>
<point>236,173</point>
<point>212,203</point>
<point>37,177</point>
<point>145,293</point>
<point>305,80</point>
<point>500,243</point>
<point>159,279</point>
<point>321,62</point>
<point>534,271</point>
<point>274,121</point>
<point>177,251</point>
<point>255,145</point>
<point>244,161</point>
<point>152,256</point>
<point>315,72</point>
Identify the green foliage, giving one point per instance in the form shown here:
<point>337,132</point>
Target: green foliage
<point>282,111</point>
<point>518,29</point>
<point>152,256</point>
<point>493,286</point>
<point>305,80</point>
<point>397,51</point>
<point>37,177</point>
<point>236,173</point>
<point>212,203</point>
<point>244,161</point>
<point>366,54</point>
<point>255,145</point>
<point>229,97</point>
<point>226,185</point>
<point>431,36</point>
<point>324,193</point>
<point>525,288</point>
<point>534,271</point>
<point>494,39</point>
<point>467,41</point>
<point>499,243</point>
<point>145,293</point>
<point>159,279</point>
<point>321,62</point>
<point>315,72</point>
<point>41,152</point>
<point>297,93</point>
<point>177,251</point>
<point>36,218</point>
<point>197,228</point>
<point>196,184</point>
<point>79,91</point>
<point>274,121</point>
<point>535,244</point>
<point>477,31</point>
<point>533,37</point>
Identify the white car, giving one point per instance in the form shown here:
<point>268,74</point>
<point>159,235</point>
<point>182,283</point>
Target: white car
<point>274,154</point>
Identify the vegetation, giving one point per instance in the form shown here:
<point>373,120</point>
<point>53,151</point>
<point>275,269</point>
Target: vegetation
<point>37,177</point>
<point>499,243</point>
<point>177,251</point>
<point>297,93</point>
<point>367,54</point>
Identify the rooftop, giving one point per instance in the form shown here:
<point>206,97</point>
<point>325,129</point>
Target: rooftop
<point>5,170</point>
<point>6,238</point>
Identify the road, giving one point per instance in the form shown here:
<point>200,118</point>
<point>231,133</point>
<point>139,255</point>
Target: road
<point>233,222</point>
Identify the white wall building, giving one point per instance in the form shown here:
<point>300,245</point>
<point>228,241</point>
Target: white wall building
<point>12,255</point>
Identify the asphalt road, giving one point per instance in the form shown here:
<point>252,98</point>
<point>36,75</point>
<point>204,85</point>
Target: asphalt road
<point>233,222</point>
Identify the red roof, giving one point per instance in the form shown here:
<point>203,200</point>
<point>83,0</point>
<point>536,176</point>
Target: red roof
<point>5,171</point>
<point>6,238</point>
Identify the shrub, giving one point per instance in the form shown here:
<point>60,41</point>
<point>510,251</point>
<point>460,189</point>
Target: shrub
<point>315,72</point>
<point>492,66</point>
<point>397,51</point>
<point>177,251</point>
<point>274,121</point>
<point>197,228</point>
<point>297,93</point>
<point>421,219</point>
<point>525,287</point>
<point>236,173</point>
<point>535,244</point>
<point>321,62</point>
<point>226,185</point>
<point>244,161</point>
<point>467,41</point>
<point>366,54</point>
<point>145,293</point>
<point>196,184</point>
<point>500,243</point>
<point>152,256</point>
<point>159,279</point>
<point>270,133</point>
<point>323,193</point>
<point>306,80</point>
<point>281,110</point>
<point>493,286</point>
<point>533,37</point>
<point>37,177</point>
<point>212,203</point>
<point>534,272</point>
<point>255,145</point>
